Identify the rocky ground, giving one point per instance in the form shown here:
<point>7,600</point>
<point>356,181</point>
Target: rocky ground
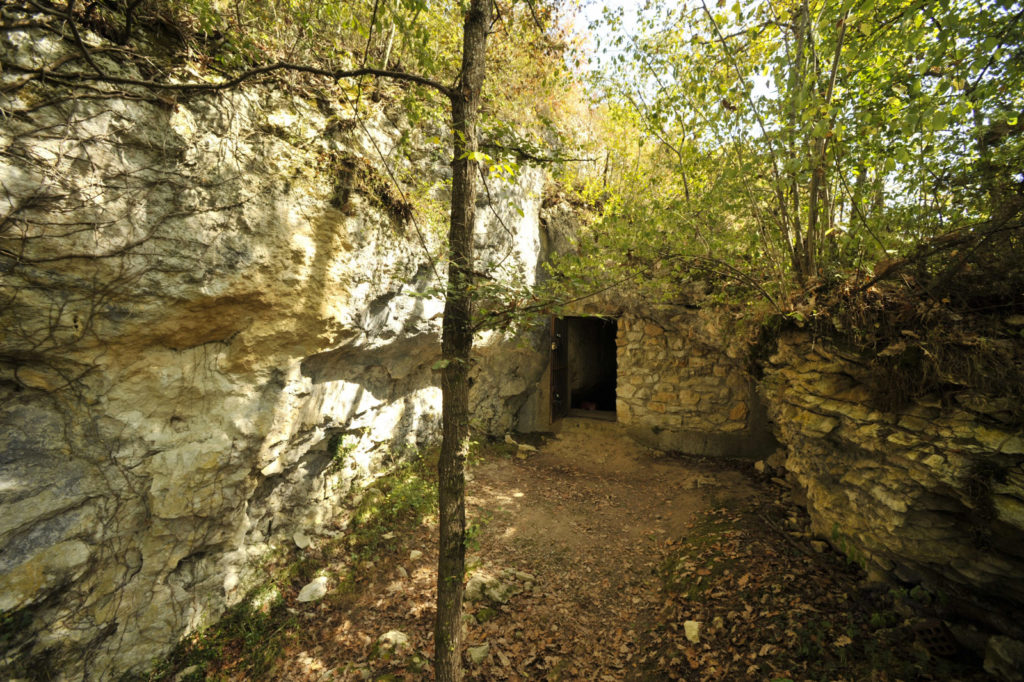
<point>592,558</point>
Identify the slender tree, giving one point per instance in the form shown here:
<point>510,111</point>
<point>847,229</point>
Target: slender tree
<point>456,346</point>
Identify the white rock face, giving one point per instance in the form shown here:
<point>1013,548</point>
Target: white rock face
<point>214,322</point>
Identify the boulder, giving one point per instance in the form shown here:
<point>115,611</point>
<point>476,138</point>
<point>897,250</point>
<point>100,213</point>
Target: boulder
<point>478,654</point>
<point>314,590</point>
<point>1004,659</point>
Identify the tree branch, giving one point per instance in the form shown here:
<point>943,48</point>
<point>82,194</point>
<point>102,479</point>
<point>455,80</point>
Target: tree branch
<point>66,78</point>
<point>524,155</point>
<point>951,240</point>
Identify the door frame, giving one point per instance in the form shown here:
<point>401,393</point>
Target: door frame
<point>560,398</point>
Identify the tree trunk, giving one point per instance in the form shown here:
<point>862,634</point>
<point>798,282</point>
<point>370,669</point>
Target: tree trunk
<point>796,86</point>
<point>819,188</point>
<point>456,345</point>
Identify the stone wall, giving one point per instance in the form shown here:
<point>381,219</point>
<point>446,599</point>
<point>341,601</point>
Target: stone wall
<point>930,494</point>
<point>683,383</point>
<point>200,300</point>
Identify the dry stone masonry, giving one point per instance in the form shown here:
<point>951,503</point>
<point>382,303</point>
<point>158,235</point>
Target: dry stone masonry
<point>931,494</point>
<point>683,384</point>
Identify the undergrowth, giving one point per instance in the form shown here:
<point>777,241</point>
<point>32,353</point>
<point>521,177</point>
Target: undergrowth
<point>405,496</point>
<point>247,641</point>
<point>251,637</point>
<point>911,346</point>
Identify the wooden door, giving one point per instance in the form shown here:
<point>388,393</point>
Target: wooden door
<point>559,368</point>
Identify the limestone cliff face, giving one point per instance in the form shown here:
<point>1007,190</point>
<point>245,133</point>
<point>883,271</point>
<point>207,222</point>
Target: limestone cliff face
<point>931,494</point>
<point>198,298</point>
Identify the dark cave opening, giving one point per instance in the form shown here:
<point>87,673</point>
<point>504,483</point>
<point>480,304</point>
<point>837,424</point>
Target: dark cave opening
<point>592,365</point>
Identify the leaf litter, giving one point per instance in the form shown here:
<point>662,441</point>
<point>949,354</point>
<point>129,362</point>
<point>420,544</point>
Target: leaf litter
<point>601,560</point>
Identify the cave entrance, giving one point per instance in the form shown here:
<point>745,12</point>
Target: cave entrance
<point>583,367</point>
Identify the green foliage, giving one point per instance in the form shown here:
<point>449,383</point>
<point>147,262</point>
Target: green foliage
<point>251,636</point>
<point>485,614</point>
<point>847,548</point>
<point>527,76</point>
<point>340,448</point>
<point>761,143</point>
<point>689,572</point>
<point>405,495</point>
<point>249,639</point>
<point>485,448</point>
<point>474,528</point>
<point>883,619</point>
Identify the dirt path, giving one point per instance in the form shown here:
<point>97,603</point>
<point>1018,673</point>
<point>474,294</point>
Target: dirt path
<point>591,558</point>
<point>568,538</point>
<point>588,516</point>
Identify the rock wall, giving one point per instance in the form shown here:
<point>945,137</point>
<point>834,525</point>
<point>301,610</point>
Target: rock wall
<point>931,494</point>
<point>216,320</point>
<point>683,384</point>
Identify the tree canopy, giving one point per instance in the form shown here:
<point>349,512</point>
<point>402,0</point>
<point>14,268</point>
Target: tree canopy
<point>782,145</point>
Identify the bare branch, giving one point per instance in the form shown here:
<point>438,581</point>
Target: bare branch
<point>73,78</point>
